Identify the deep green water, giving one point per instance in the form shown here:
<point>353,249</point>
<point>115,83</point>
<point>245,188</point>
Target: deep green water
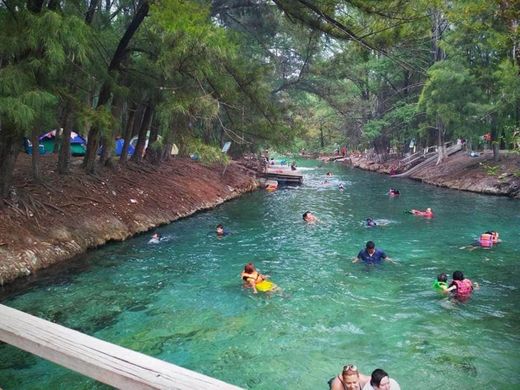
<point>182,300</point>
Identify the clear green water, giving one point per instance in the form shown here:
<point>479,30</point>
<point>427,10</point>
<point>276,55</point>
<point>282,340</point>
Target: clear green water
<point>182,300</point>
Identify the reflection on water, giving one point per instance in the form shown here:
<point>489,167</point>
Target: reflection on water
<point>182,301</point>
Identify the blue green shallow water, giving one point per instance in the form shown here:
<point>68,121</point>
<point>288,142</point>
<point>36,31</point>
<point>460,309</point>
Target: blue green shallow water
<point>182,300</point>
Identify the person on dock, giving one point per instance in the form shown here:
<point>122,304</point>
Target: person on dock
<point>372,255</point>
<point>255,280</point>
<point>309,217</point>
<point>349,379</point>
<point>380,380</point>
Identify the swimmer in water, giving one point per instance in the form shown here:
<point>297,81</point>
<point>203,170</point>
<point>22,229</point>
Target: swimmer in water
<point>371,222</point>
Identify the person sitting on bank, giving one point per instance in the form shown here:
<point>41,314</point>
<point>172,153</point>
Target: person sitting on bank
<point>372,255</point>
<point>309,217</point>
<point>349,379</point>
<point>379,380</point>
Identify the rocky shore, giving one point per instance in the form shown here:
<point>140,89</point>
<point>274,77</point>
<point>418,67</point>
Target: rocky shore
<point>44,224</point>
<point>462,172</point>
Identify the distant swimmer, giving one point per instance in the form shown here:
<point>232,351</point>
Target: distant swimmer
<point>441,284</point>
<point>255,280</point>
<point>156,238</point>
<point>221,232</point>
<point>341,186</point>
<point>371,222</point>
<point>393,192</point>
<point>486,240</point>
<point>309,217</point>
<point>329,173</point>
<point>428,213</point>
<point>372,255</point>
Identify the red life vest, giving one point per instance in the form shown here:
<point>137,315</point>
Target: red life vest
<point>486,240</point>
<point>464,287</point>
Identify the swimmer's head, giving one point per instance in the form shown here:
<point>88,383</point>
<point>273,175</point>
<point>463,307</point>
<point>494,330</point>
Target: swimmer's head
<point>428,210</point>
<point>442,277</point>
<point>458,275</point>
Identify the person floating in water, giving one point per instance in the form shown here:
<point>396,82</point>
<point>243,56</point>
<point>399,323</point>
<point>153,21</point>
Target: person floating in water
<point>156,238</point>
<point>371,222</point>
<point>428,213</point>
<point>371,255</point>
<point>441,284</point>
<point>486,240</point>
<point>329,173</point>
<point>255,280</point>
<point>349,379</point>
<point>461,287</point>
<point>309,217</point>
<point>380,380</point>
<point>221,232</point>
<point>393,192</point>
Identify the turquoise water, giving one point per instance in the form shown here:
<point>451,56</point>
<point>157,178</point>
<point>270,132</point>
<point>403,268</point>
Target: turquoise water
<point>182,300</point>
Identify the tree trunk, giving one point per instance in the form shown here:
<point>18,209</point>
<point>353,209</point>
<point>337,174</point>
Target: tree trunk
<point>64,152</point>
<point>35,160</point>
<point>495,138</point>
<point>104,95</point>
<point>9,148</point>
<point>141,140</point>
<point>441,148</point>
<point>127,134</point>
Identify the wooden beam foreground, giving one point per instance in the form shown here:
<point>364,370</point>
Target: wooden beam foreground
<point>108,363</point>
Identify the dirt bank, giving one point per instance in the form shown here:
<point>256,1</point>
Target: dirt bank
<point>462,172</point>
<point>46,224</point>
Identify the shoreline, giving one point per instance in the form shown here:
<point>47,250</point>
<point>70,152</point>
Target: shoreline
<point>48,224</point>
<point>462,172</point>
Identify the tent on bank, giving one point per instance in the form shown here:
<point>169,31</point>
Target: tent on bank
<point>78,145</point>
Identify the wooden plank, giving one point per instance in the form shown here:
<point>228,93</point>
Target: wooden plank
<point>108,363</point>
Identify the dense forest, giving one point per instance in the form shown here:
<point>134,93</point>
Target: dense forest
<point>289,74</point>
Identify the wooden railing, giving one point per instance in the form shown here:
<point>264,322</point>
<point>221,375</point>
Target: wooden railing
<point>108,363</point>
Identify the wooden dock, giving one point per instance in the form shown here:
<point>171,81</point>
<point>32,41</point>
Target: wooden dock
<point>116,366</point>
<point>283,175</point>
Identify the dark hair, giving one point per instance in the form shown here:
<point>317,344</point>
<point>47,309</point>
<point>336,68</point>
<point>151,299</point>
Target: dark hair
<point>249,268</point>
<point>442,277</point>
<point>371,245</point>
<point>377,375</point>
<point>305,214</point>
<point>220,226</point>
<point>458,275</point>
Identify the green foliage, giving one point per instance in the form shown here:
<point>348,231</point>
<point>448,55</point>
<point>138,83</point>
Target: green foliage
<point>206,154</point>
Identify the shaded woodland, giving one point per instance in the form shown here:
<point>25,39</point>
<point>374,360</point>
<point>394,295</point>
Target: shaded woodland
<point>288,74</point>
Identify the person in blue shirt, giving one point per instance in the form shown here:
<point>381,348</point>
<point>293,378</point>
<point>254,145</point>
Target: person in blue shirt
<point>372,255</point>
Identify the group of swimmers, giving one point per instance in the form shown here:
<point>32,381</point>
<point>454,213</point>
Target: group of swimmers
<point>351,379</point>
<point>460,287</point>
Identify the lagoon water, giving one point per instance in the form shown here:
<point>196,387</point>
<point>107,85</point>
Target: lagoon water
<point>182,300</point>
